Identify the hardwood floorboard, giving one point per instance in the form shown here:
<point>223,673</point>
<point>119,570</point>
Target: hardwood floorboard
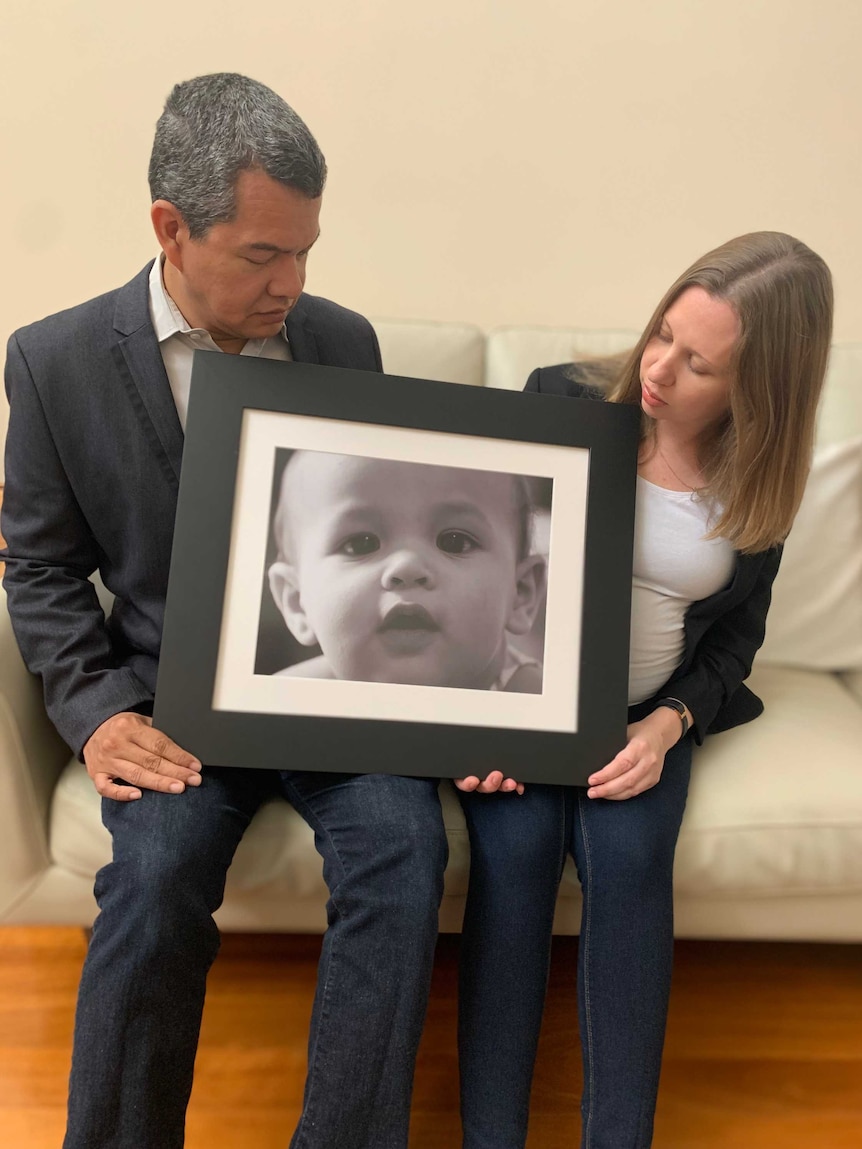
<point>764,1046</point>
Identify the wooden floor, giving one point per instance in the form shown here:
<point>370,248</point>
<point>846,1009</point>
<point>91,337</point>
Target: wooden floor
<point>764,1046</point>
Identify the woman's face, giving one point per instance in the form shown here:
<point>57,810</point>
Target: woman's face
<point>686,368</point>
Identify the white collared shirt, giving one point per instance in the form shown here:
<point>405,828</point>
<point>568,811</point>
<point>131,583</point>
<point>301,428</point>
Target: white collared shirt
<point>178,341</point>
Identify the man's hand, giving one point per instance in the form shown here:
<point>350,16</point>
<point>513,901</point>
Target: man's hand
<point>639,765</point>
<point>127,746</point>
<point>491,785</point>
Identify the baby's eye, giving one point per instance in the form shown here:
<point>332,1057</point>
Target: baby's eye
<point>360,544</point>
<point>456,542</point>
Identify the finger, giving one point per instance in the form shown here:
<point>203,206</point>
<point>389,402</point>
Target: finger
<point>620,766</point>
<point>148,765</point>
<point>492,783</point>
<point>611,792</point>
<point>467,784</point>
<point>622,788</point>
<point>149,776</point>
<point>109,789</point>
<point>158,744</point>
<point>138,775</point>
<point>510,785</point>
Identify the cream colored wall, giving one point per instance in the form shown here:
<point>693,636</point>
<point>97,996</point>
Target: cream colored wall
<point>553,161</point>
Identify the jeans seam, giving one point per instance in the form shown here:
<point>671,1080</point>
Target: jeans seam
<point>585,938</point>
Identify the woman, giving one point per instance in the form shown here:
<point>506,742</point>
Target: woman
<point>727,374</point>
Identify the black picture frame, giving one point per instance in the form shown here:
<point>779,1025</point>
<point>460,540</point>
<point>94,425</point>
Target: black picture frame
<point>243,409</point>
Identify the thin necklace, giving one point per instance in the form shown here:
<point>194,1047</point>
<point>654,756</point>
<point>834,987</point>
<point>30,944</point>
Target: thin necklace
<point>679,479</point>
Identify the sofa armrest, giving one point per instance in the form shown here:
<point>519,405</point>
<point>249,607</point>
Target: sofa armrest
<point>32,756</point>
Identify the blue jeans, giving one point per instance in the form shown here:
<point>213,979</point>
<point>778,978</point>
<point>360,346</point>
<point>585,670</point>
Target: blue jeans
<point>142,988</point>
<point>624,856</point>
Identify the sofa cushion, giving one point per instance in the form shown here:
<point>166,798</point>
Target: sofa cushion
<point>775,806</point>
<point>815,620</point>
<point>450,352</point>
<point>513,352</point>
<point>840,414</point>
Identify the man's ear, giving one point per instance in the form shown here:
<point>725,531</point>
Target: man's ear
<point>530,578</point>
<point>171,230</point>
<point>284,586</point>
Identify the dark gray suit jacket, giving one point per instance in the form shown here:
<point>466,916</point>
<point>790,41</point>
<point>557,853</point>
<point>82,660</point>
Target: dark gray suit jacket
<point>93,458</point>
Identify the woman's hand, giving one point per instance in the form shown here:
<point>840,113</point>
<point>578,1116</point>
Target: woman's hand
<point>638,766</point>
<point>491,785</point>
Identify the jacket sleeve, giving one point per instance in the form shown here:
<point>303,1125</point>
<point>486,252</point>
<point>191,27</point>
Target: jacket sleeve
<point>711,682</point>
<point>50,554</point>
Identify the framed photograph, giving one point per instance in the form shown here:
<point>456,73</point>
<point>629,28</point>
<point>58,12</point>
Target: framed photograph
<point>380,574</point>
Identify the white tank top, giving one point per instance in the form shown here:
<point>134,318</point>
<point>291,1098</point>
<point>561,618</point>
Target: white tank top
<point>674,566</point>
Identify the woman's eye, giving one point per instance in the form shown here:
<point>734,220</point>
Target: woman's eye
<point>456,542</point>
<point>361,544</point>
<point>664,335</point>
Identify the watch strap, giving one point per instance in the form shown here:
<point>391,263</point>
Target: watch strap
<point>679,707</point>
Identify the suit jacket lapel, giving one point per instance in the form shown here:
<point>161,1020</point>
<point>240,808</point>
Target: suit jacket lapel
<point>143,371</point>
<point>300,336</point>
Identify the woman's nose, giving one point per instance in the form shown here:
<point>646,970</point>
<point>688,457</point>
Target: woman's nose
<point>407,568</point>
<point>661,371</point>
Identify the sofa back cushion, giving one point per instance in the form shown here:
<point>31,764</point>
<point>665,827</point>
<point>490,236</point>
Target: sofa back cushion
<point>450,352</point>
<point>513,352</point>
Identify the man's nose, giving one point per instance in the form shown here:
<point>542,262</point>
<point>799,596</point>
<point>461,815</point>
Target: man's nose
<point>287,280</point>
<point>407,568</point>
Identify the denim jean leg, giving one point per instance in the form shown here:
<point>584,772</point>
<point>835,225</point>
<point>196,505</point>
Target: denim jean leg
<point>142,986</point>
<point>384,852</point>
<point>624,853</point>
<point>517,848</point>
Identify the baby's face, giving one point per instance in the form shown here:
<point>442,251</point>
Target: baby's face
<point>402,572</point>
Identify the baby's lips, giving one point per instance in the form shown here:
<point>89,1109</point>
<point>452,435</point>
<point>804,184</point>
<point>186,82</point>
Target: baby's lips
<point>408,616</point>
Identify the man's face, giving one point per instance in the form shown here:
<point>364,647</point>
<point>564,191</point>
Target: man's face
<point>404,572</point>
<point>242,278</point>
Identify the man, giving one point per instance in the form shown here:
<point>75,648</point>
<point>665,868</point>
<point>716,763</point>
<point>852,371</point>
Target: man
<point>98,396</point>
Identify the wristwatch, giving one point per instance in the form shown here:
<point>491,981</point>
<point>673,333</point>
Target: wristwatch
<point>679,707</point>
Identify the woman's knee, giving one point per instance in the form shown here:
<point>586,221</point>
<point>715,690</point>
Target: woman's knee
<point>623,847</point>
<point>517,834</point>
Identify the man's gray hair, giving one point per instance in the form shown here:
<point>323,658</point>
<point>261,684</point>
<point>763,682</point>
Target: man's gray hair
<point>214,127</point>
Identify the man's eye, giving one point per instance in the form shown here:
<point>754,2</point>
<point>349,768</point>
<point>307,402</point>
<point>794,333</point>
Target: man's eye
<point>361,544</point>
<point>456,542</point>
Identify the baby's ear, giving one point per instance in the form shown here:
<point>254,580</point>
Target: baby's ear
<point>284,586</point>
<point>530,577</point>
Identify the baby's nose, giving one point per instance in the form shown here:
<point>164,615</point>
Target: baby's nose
<point>407,568</point>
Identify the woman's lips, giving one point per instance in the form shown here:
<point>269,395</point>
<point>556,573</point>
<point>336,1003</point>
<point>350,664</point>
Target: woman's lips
<point>650,399</point>
<point>407,628</point>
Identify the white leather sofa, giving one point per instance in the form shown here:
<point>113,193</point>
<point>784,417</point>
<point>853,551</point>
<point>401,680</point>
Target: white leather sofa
<point>771,844</point>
